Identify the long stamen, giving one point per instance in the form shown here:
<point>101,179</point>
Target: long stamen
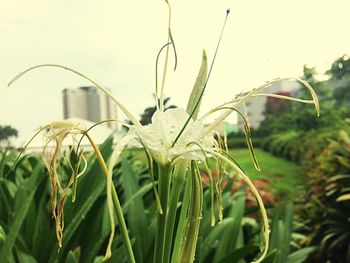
<point>166,61</point>
<point>206,82</point>
<point>266,230</point>
<point>247,135</point>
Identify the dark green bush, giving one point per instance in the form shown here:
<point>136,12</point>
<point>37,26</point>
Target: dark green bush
<point>327,209</point>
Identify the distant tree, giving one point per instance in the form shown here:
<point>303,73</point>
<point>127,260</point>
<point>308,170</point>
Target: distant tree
<point>309,75</point>
<point>147,114</point>
<point>340,68</point>
<point>321,88</point>
<point>6,132</point>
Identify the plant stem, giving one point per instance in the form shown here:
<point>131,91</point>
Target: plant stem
<point>163,193</point>
<point>188,250</point>
<point>118,208</point>
<point>178,179</point>
<point>182,223</point>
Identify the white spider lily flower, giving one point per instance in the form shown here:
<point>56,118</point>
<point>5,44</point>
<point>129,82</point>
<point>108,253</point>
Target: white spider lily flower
<point>173,135</point>
<point>158,137</point>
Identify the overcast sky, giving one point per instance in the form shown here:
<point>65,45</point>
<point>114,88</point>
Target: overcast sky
<point>116,43</point>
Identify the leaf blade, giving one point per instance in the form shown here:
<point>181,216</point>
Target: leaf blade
<point>198,88</point>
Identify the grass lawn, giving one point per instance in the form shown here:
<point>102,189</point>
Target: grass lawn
<point>286,178</point>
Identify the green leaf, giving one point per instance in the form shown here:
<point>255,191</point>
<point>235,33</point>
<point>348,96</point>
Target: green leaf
<point>3,161</point>
<point>239,254</point>
<point>338,177</point>
<point>71,258</point>
<point>24,257</point>
<point>229,239</point>
<point>137,221</point>
<point>100,228</point>
<point>270,258</point>
<point>198,89</point>
<point>300,255</point>
<point>138,194</point>
<point>214,235</point>
<point>98,259</point>
<point>344,197</point>
<point>2,235</point>
<point>25,196</point>
<point>43,238</point>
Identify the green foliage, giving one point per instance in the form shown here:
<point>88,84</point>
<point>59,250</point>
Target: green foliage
<point>239,141</point>
<point>297,117</point>
<point>23,200</point>
<point>236,238</point>
<point>26,215</point>
<point>327,209</point>
<point>325,158</point>
<point>300,147</point>
<point>136,213</point>
<point>342,96</point>
<point>28,229</point>
<point>324,155</point>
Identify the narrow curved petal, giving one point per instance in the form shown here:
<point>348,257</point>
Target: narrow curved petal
<point>258,198</point>
<point>243,98</point>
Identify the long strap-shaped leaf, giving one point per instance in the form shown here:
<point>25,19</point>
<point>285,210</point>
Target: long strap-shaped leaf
<point>198,88</point>
<point>28,189</point>
<point>188,248</point>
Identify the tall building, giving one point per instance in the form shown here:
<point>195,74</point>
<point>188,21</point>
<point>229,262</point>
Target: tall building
<point>255,107</point>
<point>90,104</point>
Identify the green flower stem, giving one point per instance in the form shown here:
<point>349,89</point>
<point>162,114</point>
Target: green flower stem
<point>194,216</point>
<point>178,179</point>
<point>118,208</point>
<point>182,223</point>
<point>163,193</point>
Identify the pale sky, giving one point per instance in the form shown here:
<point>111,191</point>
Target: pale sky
<point>116,43</point>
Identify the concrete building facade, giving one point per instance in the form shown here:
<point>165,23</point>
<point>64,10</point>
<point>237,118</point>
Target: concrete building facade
<point>90,104</point>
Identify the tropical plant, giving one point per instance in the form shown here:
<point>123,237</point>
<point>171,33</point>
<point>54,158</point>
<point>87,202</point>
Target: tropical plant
<point>27,227</point>
<point>175,143</point>
<point>326,212</point>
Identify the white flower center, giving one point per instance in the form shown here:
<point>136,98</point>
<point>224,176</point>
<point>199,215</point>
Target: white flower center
<point>159,136</point>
